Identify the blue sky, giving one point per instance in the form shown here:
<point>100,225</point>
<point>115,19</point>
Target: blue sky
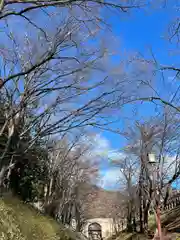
<point>139,31</point>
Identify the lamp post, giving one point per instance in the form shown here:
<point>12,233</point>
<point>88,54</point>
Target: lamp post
<point>152,166</point>
<point>154,178</point>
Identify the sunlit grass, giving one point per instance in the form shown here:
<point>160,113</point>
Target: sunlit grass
<point>20,221</point>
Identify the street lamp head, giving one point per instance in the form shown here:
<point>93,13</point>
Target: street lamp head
<point>152,158</point>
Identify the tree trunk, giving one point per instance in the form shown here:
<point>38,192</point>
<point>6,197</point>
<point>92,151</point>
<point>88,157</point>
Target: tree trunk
<point>2,177</point>
<point>141,201</point>
<point>141,219</point>
<point>146,219</point>
<point>166,196</point>
<point>129,217</point>
<point>141,210</point>
<point>134,224</point>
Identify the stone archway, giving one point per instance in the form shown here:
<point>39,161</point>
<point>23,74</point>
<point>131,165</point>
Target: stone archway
<point>95,231</point>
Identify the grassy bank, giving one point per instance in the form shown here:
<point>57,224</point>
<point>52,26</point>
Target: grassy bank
<point>20,221</point>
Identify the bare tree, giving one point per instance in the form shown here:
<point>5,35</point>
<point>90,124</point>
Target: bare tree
<point>151,72</point>
<point>128,166</point>
<point>69,168</point>
<point>47,96</point>
<point>29,6</point>
<point>159,136</point>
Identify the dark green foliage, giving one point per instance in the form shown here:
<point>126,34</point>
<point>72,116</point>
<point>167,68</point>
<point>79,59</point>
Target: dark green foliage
<point>28,176</point>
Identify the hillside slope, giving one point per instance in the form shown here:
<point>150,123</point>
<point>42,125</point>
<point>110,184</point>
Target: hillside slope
<point>20,221</point>
<point>101,203</point>
<point>170,219</point>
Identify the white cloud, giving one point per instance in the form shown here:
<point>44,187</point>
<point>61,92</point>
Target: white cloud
<point>115,155</point>
<point>102,147</point>
<point>110,178</point>
<point>99,145</point>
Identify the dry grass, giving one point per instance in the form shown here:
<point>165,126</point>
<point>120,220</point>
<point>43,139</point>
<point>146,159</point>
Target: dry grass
<point>20,221</point>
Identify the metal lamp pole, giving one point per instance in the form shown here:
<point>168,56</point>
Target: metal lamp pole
<point>155,177</point>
